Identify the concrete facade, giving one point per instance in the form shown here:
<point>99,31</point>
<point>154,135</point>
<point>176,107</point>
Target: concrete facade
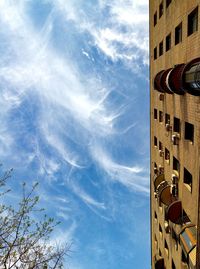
<point>175,136</point>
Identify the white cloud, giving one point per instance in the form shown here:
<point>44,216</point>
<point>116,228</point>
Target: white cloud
<point>123,33</point>
<point>89,200</point>
<point>134,178</point>
<point>39,70</point>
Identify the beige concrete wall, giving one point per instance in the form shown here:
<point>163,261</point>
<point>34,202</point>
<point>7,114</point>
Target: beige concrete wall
<point>186,108</point>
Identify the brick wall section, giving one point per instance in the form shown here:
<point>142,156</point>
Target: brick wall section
<point>186,108</point>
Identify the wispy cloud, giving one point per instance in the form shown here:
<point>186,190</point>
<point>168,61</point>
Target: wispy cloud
<point>135,177</point>
<point>123,33</point>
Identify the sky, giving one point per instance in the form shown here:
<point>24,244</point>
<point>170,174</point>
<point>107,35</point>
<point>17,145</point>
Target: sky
<point>74,99</point>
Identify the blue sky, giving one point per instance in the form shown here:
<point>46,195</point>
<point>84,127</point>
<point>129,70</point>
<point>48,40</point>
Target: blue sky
<point>75,117</point>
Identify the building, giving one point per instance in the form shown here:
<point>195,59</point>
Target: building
<point>175,133</point>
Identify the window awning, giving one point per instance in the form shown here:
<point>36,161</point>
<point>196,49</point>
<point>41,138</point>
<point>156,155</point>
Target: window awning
<point>158,180</point>
<point>192,258</point>
<point>159,262</point>
<point>164,83</point>
<point>188,239</point>
<point>175,80</point>
<point>174,212</point>
<point>165,195</point>
<point>157,81</point>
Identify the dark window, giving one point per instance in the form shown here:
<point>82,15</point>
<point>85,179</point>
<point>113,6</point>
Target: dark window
<point>168,2</point>
<point>160,230</point>
<point>176,164</point>
<point>161,9</point>
<point>189,131</point>
<point>186,219</point>
<point>176,125</point>
<point>161,48</point>
<point>167,155</point>
<point>155,53</point>
<point>155,141</point>
<point>183,257</point>
<point>178,34</point>
<point>168,42</point>
<point>155,215</point>
<point>193,21</point>
<point>167,118</point>
<point>173,265</point>
<point>155,113</point>
<point>155,169</point>
<point>160,254</point>
<point>155,19</point>
<point>187,179</point>
<point>160,145</point>
<point>160,116</point>
<point>166,248</point>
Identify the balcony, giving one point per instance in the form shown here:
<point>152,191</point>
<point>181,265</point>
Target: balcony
<point>175,79</point>
<point>192,77</point>
<point>188,243</point>
<point>166,195</point>
<point>180,79</point>
<point>159,262</point>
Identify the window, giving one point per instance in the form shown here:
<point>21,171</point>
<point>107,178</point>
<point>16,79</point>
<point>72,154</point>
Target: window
<point>176,125</point>
<point>176,164</point>
<point>183,257</point>
<point>167,118</point>
<point>156,242</point>
<point>161,48</point>
<point>173,265</point>
<point>168,2</point>
<point>160,145</point>
<point>186,219</point>
<point>155,169</point>
<point>178,34</point>
<point>161,9</point>
<point>168,42</point>
<point>193,21</point>
<point>155,141</point>
<point>160,116</point>
<point>166,249</point>
<point>155,216</point>
<point>187,179</point>
<point>167,155</point>
<point>155,53</point>
<point>160,230</point>
<point>189,131</point>
<point>155,114</point>
<point>155,19</point>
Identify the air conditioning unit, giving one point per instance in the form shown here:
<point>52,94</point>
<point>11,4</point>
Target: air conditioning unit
<point>174,190</point>
<point>174,179</point>
<point>167,156</point>
<point>161,97</point>
<point>161,169</point>
<point>161,153</point>
<point>175,139</point>
<point>155,170</point>
<point>167,227</point>
<point>168,127</point>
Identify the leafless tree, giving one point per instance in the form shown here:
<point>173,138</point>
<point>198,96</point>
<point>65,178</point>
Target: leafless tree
<point>24,241</point>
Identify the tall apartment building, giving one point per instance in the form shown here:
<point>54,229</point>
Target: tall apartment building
<point>175,133</point>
